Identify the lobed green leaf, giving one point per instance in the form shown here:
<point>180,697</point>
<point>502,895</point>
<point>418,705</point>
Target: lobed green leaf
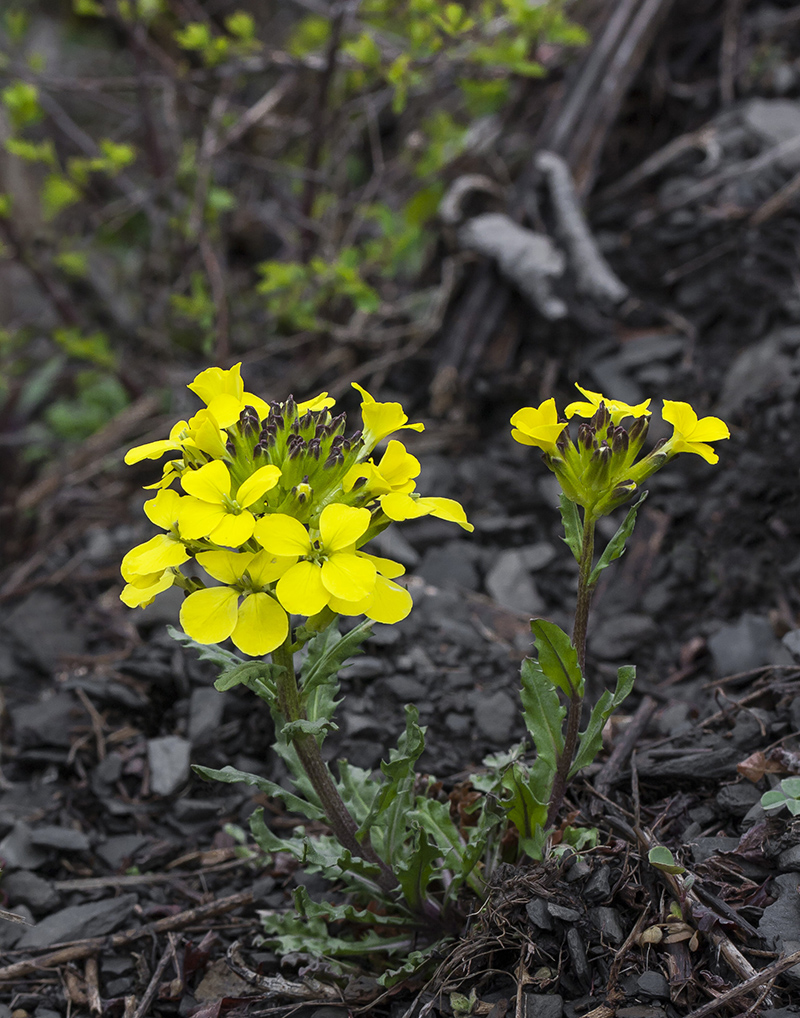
<point>616,546</point>
<point>558,659</point>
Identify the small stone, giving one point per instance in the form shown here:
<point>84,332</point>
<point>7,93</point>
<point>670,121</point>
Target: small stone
<point>598,886</point>
<point>736,800</point>
<point>19,851</point>
<point>606,921</point>
<point>539,915</point>
<point>744,645</point>
<point>450,565</point>
<point>495,716</point>
<point>406,689</point>
<point>459,724</point>
<point>79,921</point>
<point>780,922</point>
<point>168,758</point>
<point>704,848</point>
<point>620,636</point>
<point>577,954</point>
<point>50,722</point>
<point>543,1005</point>
<point>788,860</point>
<point>11,933</point>
<point>220,981</point>
<point>25,888</point>
<point>567,915</point>
<point>66,839</point>
<point>653,985</point>
<point>365,667</point>
<point>509,583</point>
<point>46,644</point>
<point>206,707</point>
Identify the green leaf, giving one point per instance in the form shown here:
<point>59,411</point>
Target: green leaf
<point>591,740</point>
<point>415,868</point>
<point>207,651</point>
<point>325,655</point>
<point>573,528</point>
<point>543,712</point>
<point>661,858</point>
<point>616,546</point>
<point>231,776</point>
<point>58,193</point>
<point>319,729</point>
<point>791,787</point>
<point>774,799</point>
<point>558,659</point>
<point>524,810</point>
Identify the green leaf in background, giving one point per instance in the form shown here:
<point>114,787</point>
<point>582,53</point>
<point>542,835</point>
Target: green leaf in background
<point>232,776</point>
<point>558,659</point>
<point>661,858</point>
<point>616,546</point>
<point>591,741</point>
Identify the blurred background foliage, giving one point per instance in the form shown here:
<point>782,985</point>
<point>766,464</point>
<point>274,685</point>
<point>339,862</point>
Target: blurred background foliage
<point>186,183</point>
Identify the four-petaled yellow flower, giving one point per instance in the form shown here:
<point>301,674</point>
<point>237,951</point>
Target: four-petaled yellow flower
<point>381,419</point>
<point>213,511</point>
<point>615,407</point>
<point>388,602</point>
<point>329,565</point>
<point>223,393</point>
<point>691,434</point>
<point>395,472</point>
<point>538,426</point>
<point>148,568</point>
<point>241,610</point>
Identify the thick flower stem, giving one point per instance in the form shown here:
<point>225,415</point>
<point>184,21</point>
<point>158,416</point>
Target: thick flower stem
<point>337,814</point>
<point>583,602</point>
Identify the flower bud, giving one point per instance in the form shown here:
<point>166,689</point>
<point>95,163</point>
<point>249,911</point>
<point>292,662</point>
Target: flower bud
<point>335,459</point>
<point>601,419</point>
<point>637,433</point>
<point>230,448</point>
<point>586,435</point>
<point>314,448</point>
<point>619,441</point>
<point>295,447</point>
<point>249,423</point>
<point>598,469</point>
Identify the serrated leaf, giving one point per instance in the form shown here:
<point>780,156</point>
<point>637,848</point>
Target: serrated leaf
<point>591,740</point>
<point>542,712</point>
<point>231,776</point>
<point>207,651</point>
<point>573,528</point>
<point>616,546</point>
<point>387,820</point>
<point>326,654</point>
<point>558,659</point>
<point>416,868</point>
<point>358,788</point>
<point>416,962</point>
<point>661,858</point>
<point>523,808</point>
<point>304,727</point>
<point>332,913</point>
<point>249,674</point>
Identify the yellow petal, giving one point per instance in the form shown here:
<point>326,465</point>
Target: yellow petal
<point>400,506</point>
<point>160,552</point>
<point>282,535</point>
<point>348,576</point>
<point>680,416</point>
<point>398,466</point>
<point>226,409</point>
<point>233,530</point>
<point>198,519</point>
<point>205,432</point>
<point>710,429</point>
<point>266,568</point>
<point>385,566</point>
<point>321,402</point>
<point>389,603</point>
<point>216,381</point>
<point>262,625</point>
<point>136,595</point>
<point>446,509</point>
<point>257,484</point>
<point>163,509</point>
<point>211,483</point>
<point>340,526</point>
<point>150,451</point>
<point>261,407</point>
<point>209,616</point>
<point>300,589</point>
<point>225,566</point>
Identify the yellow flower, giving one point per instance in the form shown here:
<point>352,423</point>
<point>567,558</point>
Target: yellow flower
<point>395,472</point>
<point>691,434</point>
<point>381,419</point>
<point>149,568</point>
<point>213,511</point>
<point>538,426</point>
<point>241,610</point>
<point>388,602</point>
<point>329,565</point>
<point>223,393</point>
<point>615,407</point>
<point>401,506</point>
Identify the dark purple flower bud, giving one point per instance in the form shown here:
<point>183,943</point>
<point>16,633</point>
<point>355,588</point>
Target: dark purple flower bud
<point>295,447</point>
<point>230,448</point>
<point>619,441</point>
<point>335,459</point>
<point>601,419</point>
<point>586,436</point>
<point>313,448</point>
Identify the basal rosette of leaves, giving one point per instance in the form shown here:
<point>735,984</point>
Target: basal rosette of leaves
<point>275,502</point>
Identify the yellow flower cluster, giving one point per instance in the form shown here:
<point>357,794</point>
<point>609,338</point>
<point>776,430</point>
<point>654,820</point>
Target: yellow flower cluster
<point>277,504</point>
<point>599,470</point>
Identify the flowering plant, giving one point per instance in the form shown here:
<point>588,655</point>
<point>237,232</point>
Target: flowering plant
<point>278,507</point>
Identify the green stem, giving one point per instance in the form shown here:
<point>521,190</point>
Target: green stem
<point>583,603</point>
<point>337,814</point>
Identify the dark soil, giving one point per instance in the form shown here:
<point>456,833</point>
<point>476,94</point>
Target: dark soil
<point>104,830</point>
